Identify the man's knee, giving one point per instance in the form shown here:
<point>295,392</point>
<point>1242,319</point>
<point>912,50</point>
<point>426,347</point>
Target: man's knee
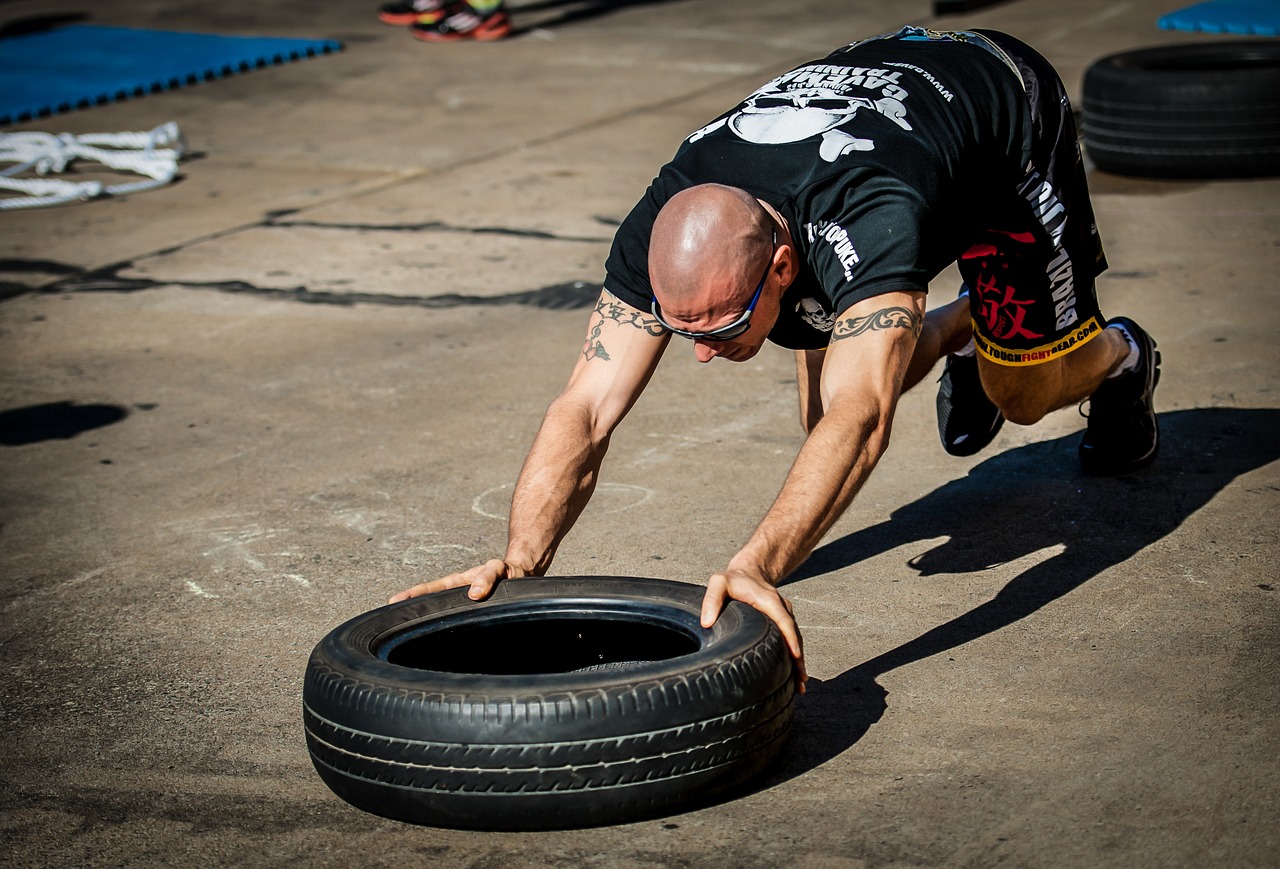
<point>1025,395</point>
<point>1022,409</point>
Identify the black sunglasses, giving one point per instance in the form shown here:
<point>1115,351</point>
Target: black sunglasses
<point>732,330</point>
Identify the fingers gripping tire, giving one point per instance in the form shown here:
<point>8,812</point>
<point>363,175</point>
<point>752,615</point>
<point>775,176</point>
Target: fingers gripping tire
<point>555,703</point>
<point>1198,110</point>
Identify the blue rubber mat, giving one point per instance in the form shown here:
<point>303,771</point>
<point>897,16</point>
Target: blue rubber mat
<point>82,65</point>
<point>1243,17</point>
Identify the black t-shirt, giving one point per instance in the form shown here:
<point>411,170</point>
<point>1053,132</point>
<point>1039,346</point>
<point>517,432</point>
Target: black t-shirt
<point>883,158</point>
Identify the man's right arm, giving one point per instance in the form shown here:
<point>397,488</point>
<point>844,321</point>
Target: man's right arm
<point>621,351</point>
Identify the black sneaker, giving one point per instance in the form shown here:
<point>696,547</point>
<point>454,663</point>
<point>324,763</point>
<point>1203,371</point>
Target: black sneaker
<point>967,419</point>
<point>1123,434</point>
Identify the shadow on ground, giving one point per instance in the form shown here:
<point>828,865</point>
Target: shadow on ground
<point>59,420</point>
<point>1010,506</point>
<point>571,11</point>
<point>39,23</point>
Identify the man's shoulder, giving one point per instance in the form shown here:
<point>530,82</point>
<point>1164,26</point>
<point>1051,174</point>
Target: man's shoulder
<point>627,266</point>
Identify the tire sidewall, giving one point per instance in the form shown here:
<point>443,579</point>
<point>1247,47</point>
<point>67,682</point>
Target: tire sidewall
<point>346,662</point>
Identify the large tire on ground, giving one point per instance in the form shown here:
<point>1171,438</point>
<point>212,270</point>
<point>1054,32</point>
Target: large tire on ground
<point>1199,110</point>
<point>556,703</point>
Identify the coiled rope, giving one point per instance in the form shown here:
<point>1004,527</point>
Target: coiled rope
<point>154,154</point>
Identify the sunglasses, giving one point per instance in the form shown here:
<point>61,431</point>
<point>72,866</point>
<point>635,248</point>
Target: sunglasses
<point>727,332</point>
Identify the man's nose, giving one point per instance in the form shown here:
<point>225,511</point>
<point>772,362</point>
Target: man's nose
<point>704,351</point>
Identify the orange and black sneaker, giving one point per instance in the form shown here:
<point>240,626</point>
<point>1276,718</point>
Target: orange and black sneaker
<point>402,13</point>
<point>463,21</point>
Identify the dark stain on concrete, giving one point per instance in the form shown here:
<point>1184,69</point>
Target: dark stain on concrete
<point>566,296</point>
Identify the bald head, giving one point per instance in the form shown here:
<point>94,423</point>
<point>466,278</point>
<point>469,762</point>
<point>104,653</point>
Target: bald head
<point>708,248</point>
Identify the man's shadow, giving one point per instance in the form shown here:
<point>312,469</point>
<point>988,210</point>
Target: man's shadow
<point>1014,504</point>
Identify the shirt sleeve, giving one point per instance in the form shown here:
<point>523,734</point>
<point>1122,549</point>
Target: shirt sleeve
<point>874,243</point>
<point>627,267</point>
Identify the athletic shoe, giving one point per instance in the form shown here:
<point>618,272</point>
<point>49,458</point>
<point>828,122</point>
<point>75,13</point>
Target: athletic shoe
<point>461,21</point>
<point>967,419</point>
<point>402,13</point>
<point>1123,434</point>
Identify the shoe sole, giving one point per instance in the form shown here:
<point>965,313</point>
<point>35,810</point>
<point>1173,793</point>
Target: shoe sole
<point>477,35</point>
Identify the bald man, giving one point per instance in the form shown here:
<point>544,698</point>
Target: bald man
<point>813,215</point>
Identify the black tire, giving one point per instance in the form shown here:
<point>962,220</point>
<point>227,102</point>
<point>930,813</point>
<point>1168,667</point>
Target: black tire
<point>1199,110</point>
<point>556,703</point>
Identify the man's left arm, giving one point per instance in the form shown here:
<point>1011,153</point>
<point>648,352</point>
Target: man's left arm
<point>862,376</point>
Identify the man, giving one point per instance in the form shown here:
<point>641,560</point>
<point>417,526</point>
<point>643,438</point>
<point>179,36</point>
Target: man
<point>814,214</point>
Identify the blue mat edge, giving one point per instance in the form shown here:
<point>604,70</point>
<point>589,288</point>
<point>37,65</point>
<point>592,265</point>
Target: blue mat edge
<point>1235,19</point>
<point>307,48</point>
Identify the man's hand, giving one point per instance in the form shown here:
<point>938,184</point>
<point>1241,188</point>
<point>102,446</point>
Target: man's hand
<point>754,590</point>
<point>482,578</point>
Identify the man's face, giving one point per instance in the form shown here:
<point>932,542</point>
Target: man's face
<point>721,303</point>
<point>746,345</point>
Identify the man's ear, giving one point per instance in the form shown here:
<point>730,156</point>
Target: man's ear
<point>789,266</point>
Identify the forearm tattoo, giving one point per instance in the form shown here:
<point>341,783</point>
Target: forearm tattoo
<point>885,318</point>
<point>609,308</point>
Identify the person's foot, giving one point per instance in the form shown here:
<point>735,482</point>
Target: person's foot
<point>1123,434</point>
<point>967,419</point>
<point>402,13</point>
<point>461,21</point>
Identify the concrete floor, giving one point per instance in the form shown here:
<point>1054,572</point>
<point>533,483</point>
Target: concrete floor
<point>305,376</point>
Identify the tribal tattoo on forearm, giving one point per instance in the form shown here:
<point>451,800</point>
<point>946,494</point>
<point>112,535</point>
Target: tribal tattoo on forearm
<point>885,318</point>
<point>608,309</point>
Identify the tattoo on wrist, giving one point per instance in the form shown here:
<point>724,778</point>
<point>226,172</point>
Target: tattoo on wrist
<point>609,309</point>
<point>886,318</point>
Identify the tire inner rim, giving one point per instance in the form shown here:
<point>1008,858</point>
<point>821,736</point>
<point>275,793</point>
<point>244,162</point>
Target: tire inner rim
<point>543,640</point>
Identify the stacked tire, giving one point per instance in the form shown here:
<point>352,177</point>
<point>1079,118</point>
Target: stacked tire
<point>1199,110</point>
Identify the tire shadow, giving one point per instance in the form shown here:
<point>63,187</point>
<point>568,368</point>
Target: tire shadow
<point>1010,506</point>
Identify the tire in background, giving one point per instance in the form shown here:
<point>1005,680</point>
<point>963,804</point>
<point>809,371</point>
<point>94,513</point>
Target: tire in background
<point>1199,110</point>
<point>556,703</point>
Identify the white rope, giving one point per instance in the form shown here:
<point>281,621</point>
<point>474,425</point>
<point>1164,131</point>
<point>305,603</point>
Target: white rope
<point>154,154</point>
